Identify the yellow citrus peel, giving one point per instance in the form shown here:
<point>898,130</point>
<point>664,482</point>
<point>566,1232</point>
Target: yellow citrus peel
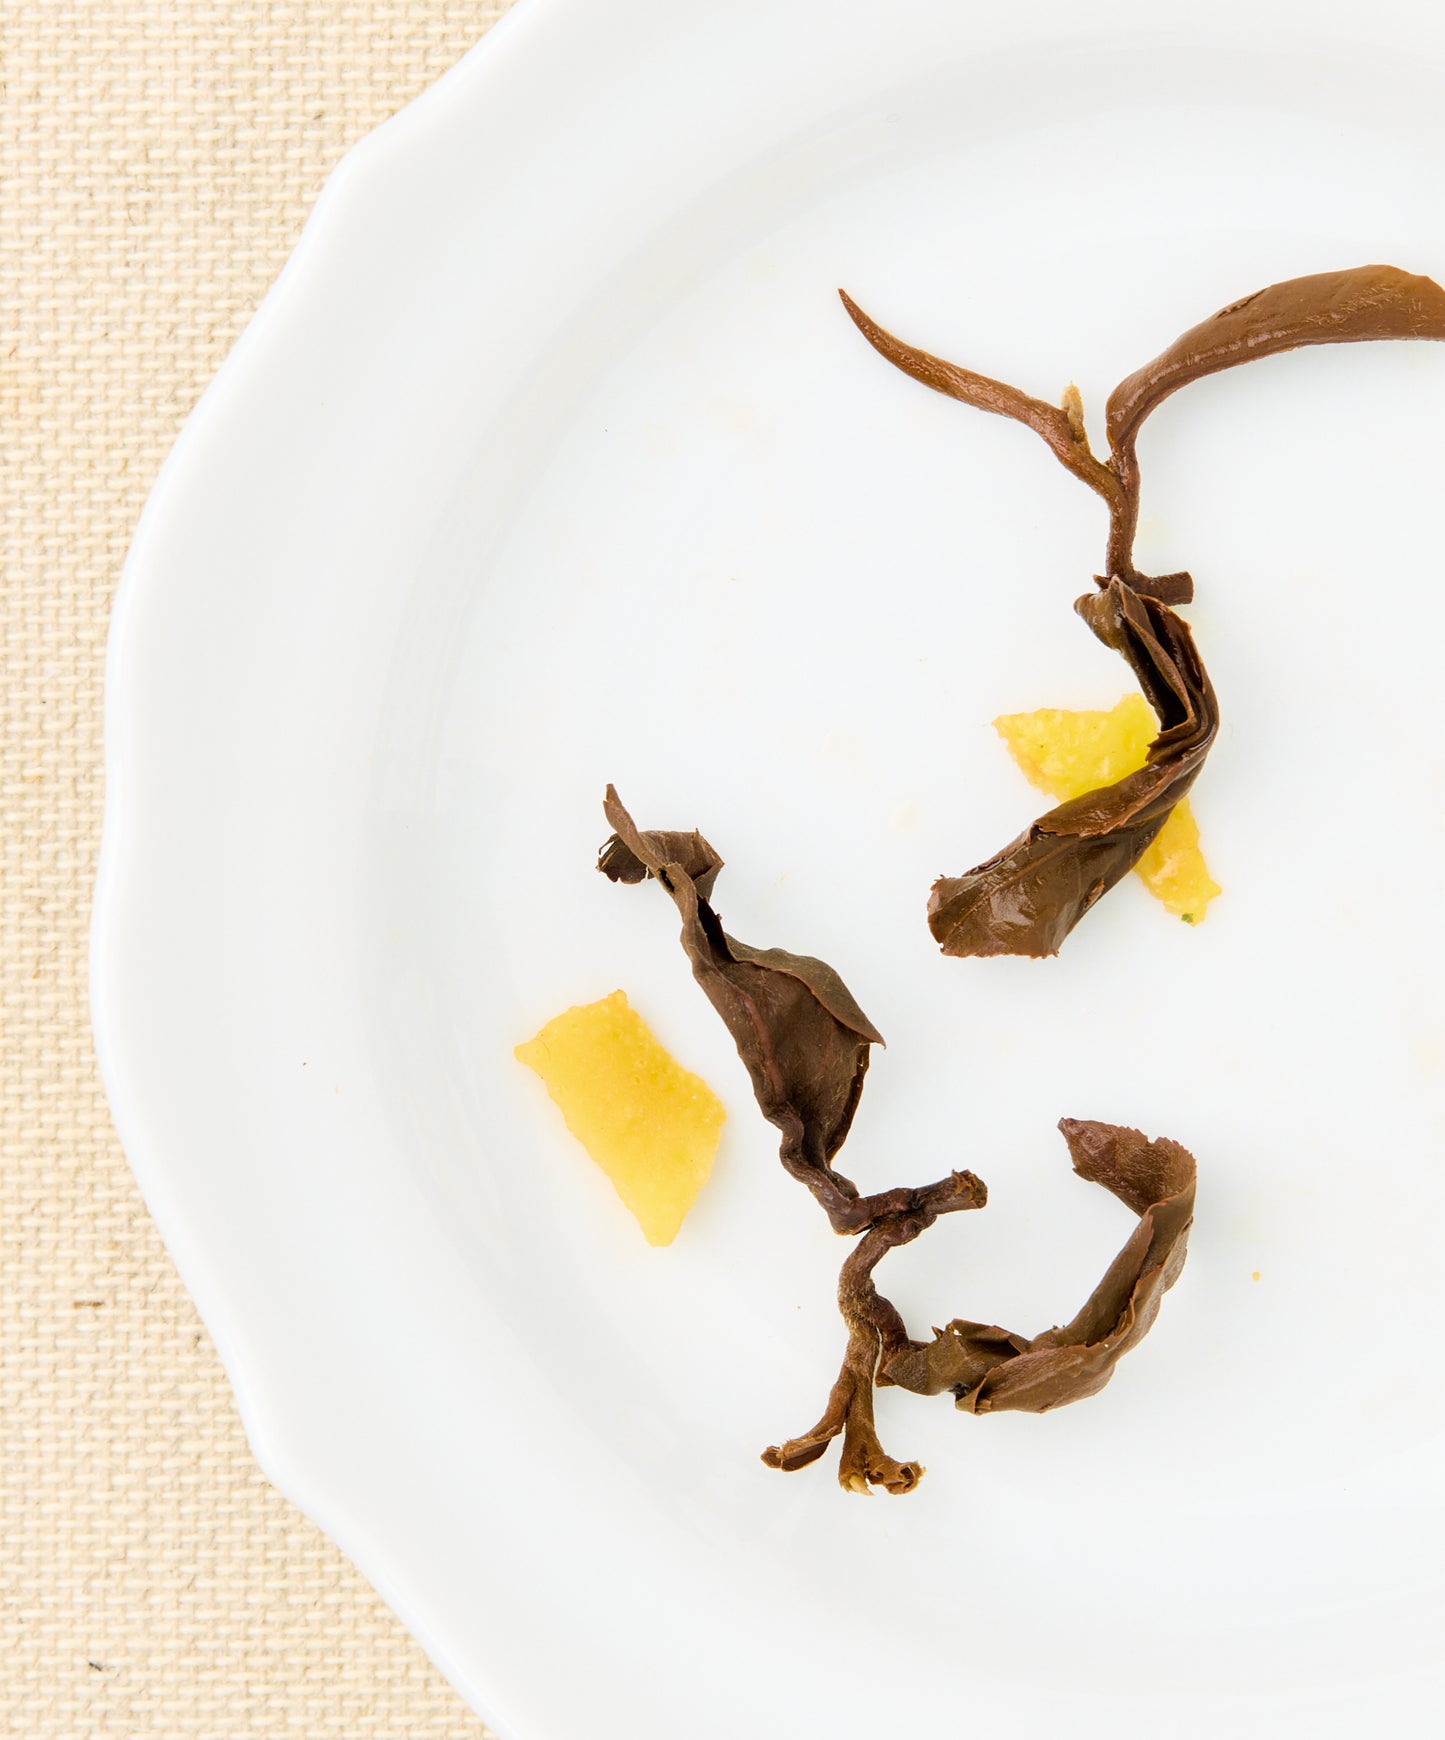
<point>1067,753</point>
<point>651,1125</point>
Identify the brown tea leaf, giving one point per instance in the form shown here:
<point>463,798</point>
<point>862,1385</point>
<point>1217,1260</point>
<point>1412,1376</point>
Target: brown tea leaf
<point>1361,303</point>
<point>1027,898</point>
<point>989,1369</point>
<point>620,862</point>
<point>876,1334</point>
<point>805,1043</point>
<point>796,1025</point>
<point>1350,307</point>
<point>1060,426</point>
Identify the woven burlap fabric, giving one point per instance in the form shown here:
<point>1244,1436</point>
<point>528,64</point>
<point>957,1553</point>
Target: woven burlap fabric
<point>159,157</point>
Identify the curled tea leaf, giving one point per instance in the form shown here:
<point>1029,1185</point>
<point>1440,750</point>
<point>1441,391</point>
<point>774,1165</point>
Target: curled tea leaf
<point>1027,898</point>
<point>1060,426</point>
<point>796,1025</point>
<point>805,1043</point>
<point>1355,306</point>
<point>990,1370</point>
<point>876,1334</point>
<point>1350,307</point>
<point>648,853</point>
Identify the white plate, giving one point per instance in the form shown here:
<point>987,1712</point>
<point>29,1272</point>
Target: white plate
<point>552,460</point>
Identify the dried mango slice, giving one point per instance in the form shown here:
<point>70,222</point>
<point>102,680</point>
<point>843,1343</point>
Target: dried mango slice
<point>651,1125</point>
<point>1067,753</point>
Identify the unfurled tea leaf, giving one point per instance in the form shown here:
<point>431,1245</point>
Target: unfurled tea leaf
<point>989,1370</point>
<point>805,1042</point>
<point>1028,898</point>
<point>797,1027</point>
<point>1351,307</point>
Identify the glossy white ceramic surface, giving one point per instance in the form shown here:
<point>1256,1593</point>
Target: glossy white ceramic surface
<point>552,460</point>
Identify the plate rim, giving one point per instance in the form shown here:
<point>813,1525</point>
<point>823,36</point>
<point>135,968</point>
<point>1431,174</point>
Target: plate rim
<point>529,27</point>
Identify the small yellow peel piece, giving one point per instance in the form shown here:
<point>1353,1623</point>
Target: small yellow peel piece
<point>1174,870</point>
<point>1068,753</point>
<point>651,1125</point>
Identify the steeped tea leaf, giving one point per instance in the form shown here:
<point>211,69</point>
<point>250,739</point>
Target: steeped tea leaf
<point>1026,899</point>
<point>989,1370</point>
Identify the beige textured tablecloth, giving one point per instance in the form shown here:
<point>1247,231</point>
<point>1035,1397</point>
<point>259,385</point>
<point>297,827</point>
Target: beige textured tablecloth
<point>159,157</point>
